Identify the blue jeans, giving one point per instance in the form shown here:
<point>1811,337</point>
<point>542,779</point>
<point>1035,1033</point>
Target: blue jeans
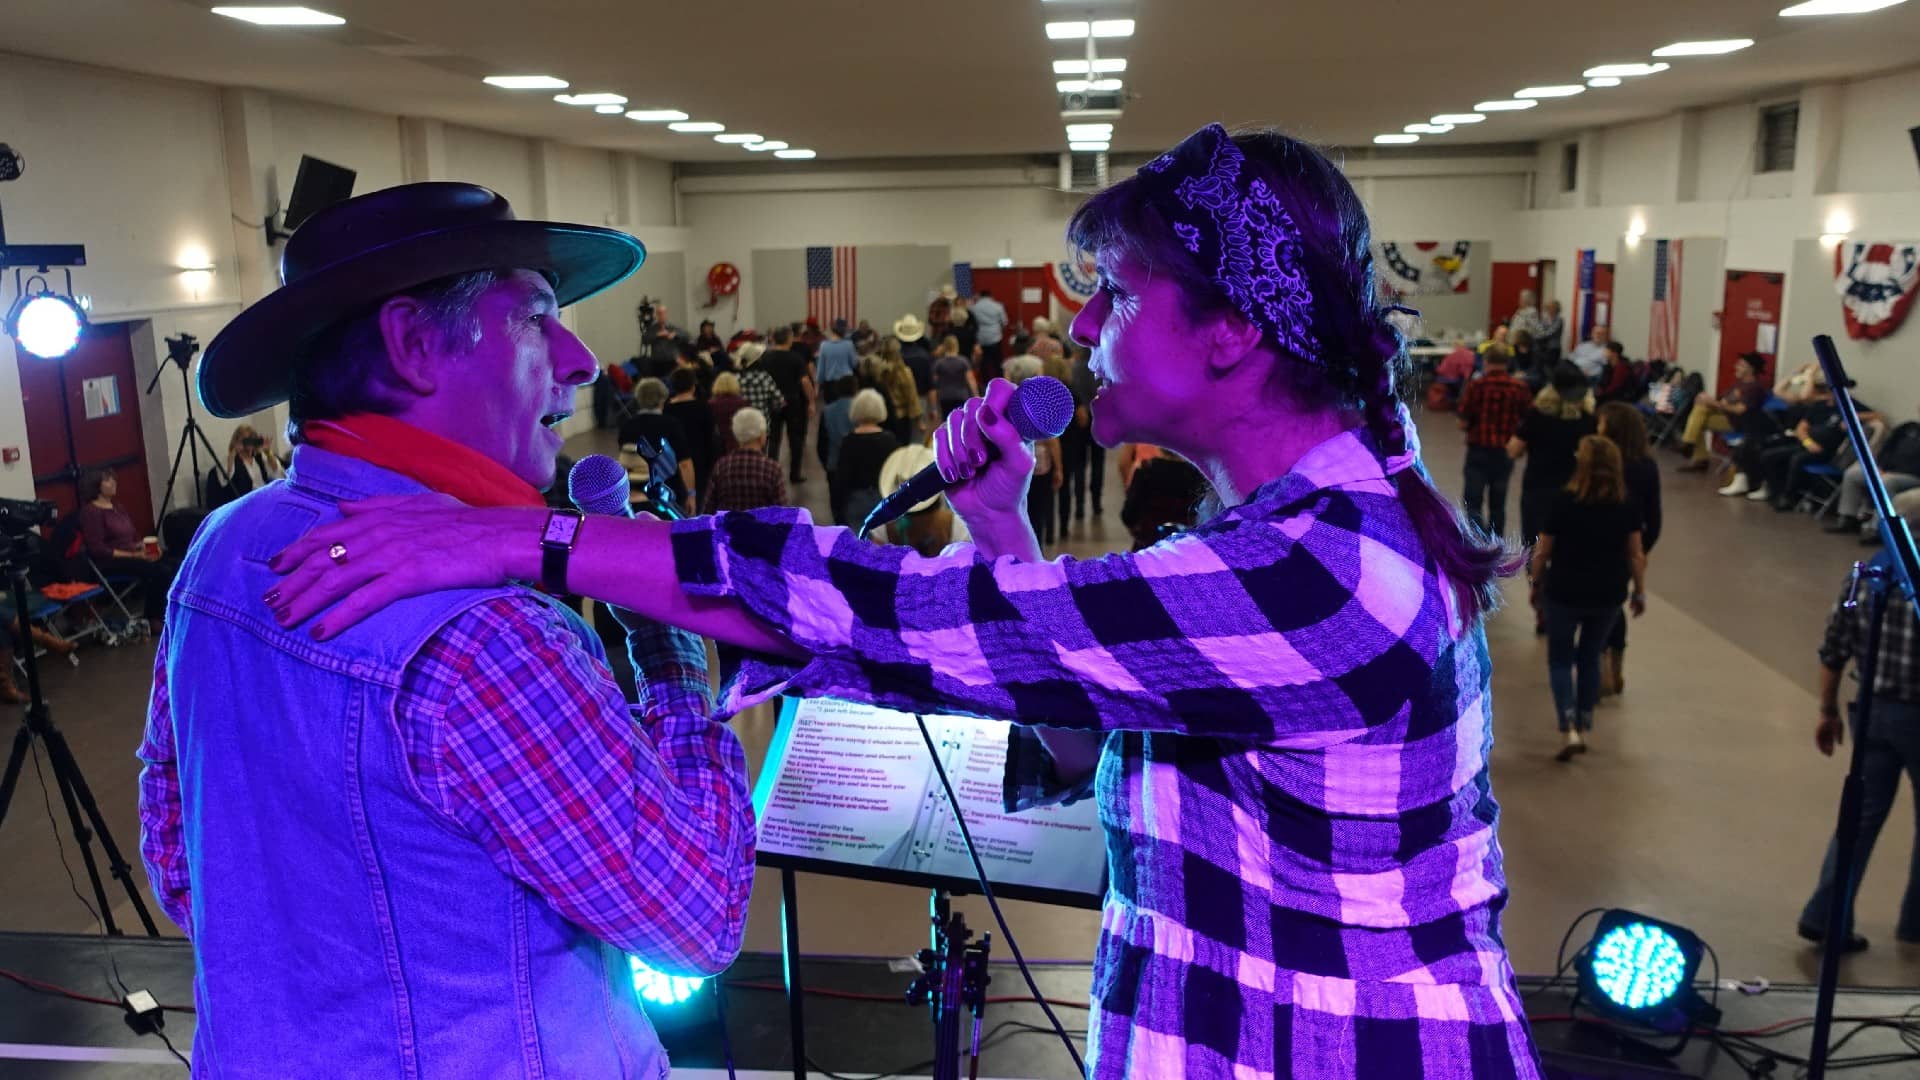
<point>1892,747</point>
<point>1575,639</point>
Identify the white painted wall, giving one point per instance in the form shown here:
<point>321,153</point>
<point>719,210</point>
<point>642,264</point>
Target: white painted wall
<point>1875,153</point>
<point>1634,161</point>
<point>501,162</point>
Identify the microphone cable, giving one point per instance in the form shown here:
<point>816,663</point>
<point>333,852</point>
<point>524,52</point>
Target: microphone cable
<point>986,889</point>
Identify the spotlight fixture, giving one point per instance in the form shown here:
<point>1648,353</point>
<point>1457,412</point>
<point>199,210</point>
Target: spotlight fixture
<point>1457,118</point>
<point>526,82</point>
<point>660,988</point>
<point>1509,105</point>
<point>1534,93</point>
<point>1640,971</point>
<point>1703,48</point>
<point>1396,138</point>
<point>280,16</point>
<point>1836,7</point>
<point>42,322</point>
<point>655,116</point>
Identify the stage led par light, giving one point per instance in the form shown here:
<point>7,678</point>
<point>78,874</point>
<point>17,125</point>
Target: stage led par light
<point>658,989</point>
<point>45,323</point>
<point>1640,970</point>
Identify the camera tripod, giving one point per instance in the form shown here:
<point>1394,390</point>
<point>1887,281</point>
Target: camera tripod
<point>180,351</point>
<point>83,814</point>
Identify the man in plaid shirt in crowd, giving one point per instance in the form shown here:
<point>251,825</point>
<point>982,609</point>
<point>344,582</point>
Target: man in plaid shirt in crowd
<point>745,478</point>
<point>1892,744</point>
<point>1490,412</point>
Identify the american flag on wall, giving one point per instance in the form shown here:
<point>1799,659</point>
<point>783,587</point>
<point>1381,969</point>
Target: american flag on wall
<point>1663,339</point>
<point>1583,296</point>
<point>832,284</point>
<point>963,279</point>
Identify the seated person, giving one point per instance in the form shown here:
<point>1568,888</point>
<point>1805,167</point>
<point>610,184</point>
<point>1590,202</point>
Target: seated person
<point>1452,374</point>
<point>650,422</point>
<point>1899,461</point>
<point>1499,337</point>
<point>116,546</point>
<point>1817,435</point>
<point>1725,413</point>
<point>1618,382</point>
<point>1805,384</point>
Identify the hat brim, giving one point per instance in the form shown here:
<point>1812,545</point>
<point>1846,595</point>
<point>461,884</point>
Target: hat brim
<point>905,337</point>
<point>249,365</point>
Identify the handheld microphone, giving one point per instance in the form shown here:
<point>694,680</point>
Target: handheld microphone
<point>598,485</point>
<point>1041,409</point>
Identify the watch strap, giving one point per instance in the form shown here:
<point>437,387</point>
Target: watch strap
<point>554,556</point>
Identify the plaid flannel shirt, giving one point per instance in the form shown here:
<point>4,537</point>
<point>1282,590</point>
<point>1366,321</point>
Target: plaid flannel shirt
<point>761,392</point>
<point>519,738</point>
<point>1492,407</point>
<point>744,479</point>
<point>1294,786</point>
<point>1897,673</point>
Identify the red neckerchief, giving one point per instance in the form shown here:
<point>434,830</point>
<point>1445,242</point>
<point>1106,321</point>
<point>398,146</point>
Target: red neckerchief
<point>441,464</point>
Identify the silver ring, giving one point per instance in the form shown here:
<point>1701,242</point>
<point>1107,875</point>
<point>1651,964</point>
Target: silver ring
<point>338,553</point>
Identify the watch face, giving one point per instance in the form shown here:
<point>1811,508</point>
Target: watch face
<point>560,529</point>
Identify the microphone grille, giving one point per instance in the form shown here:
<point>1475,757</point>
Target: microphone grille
<point>1042,408</point>
<point>598,485</point>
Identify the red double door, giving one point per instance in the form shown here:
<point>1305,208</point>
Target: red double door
<point>83,412</point>
<point>1750,322</point>
<point>1022,290</point>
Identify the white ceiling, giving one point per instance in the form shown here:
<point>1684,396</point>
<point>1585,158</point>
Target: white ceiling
<point>871,78</point>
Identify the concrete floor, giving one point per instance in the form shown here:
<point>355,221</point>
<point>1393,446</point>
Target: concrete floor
<point>1702,802</point>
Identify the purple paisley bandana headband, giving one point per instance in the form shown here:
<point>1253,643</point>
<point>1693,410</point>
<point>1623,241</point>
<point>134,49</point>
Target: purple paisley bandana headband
<point>1238,227</point>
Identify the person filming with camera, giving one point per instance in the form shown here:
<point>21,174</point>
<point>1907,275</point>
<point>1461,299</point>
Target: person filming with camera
<point>251,464</point>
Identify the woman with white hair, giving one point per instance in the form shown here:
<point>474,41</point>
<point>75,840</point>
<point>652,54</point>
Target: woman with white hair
<point>745,478</point>
<point>862,453</point>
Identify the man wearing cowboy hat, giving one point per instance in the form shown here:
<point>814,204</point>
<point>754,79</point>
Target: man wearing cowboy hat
<point>432,838</point>
<point>913,349</point>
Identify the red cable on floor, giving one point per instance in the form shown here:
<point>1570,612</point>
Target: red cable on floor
<point>61,991</point>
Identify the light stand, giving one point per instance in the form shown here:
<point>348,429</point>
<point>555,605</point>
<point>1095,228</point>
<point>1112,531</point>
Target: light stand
<point>83,814</point>
<point>953,979</point>
<point>1901,572</point>
<point>180,351</point>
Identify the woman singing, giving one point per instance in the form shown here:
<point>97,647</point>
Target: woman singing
<point>1283,713</point>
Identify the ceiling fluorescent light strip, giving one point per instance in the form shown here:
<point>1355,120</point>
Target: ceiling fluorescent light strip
<point>1509,105</point>
<point>280,16</point>
<point>655,116</point>
<point>1836,7</point>
<point>1703,48</point>
<point>525,82</point>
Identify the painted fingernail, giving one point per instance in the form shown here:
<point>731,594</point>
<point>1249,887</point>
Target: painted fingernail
<point>318,632</point>
<point>274,563</point>
<point>272,598</point>
<point>988,416</point>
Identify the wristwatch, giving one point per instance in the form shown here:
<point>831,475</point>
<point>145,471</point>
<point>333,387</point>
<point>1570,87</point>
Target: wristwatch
<point>556,545</point>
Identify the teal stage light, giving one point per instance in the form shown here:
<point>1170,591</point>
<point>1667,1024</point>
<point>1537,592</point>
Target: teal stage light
<point>658,989</point>
<point>1639,971</point>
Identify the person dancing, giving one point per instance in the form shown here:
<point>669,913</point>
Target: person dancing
<point>1283,714</point>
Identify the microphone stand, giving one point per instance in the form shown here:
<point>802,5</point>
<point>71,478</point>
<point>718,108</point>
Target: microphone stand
<point>1901,571</point>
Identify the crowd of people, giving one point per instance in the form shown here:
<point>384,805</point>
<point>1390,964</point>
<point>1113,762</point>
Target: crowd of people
<point>728,410</point>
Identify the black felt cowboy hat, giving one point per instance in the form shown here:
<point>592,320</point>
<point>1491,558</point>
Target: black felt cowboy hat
<point>357,253</point>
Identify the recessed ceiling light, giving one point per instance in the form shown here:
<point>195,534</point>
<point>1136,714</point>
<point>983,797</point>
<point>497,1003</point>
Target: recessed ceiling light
<point>526,82</point>
<point>590,99</point>
<point>1112,28</point>
<point>1604,81</point>
<point>1395,138</point>
<point>1837,7</point>
<point>1081,86</point>
<point>1537,92</point>
<point>1703,48</point>
<point>1510,105</point>
<point>740,137</point>
<point>1088,147</point>
<point>1089,131</point>
<point>793,155</point>
<point>1065,31</point>
<point>762,147</point>
<point>696,127</point>
<point>655,116</point>
<point>1623,71</point>
<point>1100,28</point>
<point>281,16</point>
<point>1428,129</point>
<point>1457,118</point>
<point>1079,67</point>
<point>610,110</point>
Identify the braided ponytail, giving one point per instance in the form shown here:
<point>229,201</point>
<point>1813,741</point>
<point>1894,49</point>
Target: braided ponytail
<point>1472,561</point>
